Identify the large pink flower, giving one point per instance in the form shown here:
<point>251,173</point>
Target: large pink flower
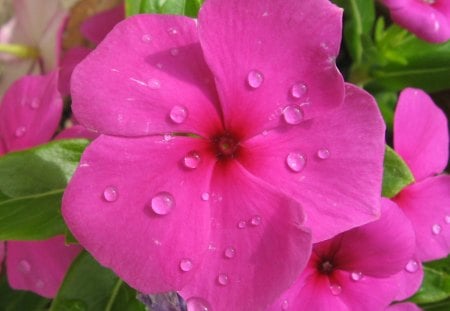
<point>215,133</point>
<point>29,115</point>
<point>421,138</point>
<point>356,270</point>
<point>427,19</point>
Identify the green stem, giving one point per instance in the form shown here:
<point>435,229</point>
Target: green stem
<point>18,50</point>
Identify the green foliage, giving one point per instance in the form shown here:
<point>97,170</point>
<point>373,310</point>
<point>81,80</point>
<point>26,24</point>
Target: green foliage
<point>89,286</point>
<point>17,300</point>
<point>31,185</point>
<point>180,7</point>
<point>396,174</point>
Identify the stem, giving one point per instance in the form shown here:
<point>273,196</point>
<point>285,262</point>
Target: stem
<point>18,50</point>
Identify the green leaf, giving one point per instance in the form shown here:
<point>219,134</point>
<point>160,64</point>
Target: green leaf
<point>17,300</point>
<point>436,283</point>
<point>179,7</point>
<point>387,102</point>
<point>89,286</point>
<point>396,174</point>
<point>443,305</point>
<point>32,183</point>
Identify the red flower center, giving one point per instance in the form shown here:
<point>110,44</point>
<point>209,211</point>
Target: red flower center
<point>225,146</point>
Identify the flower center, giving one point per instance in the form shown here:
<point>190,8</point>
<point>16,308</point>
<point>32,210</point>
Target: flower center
<point>326,267</point>
<point>226,146</point>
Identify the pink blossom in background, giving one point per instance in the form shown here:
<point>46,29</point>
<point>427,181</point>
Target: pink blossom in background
<point>212,143</point>
<point>421,138</point>
<point>2,254</point>
<point>427,19</point>
<point>29,115</point>
<point>355,270</point>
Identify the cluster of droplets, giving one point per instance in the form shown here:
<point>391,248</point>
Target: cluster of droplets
<point>254,222</point>
<point>24,267</point>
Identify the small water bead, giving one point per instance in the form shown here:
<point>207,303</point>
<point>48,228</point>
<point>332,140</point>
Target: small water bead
<point>222,279</point>
<point>293,114</point>
<point>242,224</point>
<point>191,160</point>
<point>110,194</point>
<point>186,265</point>
<point>298,90</point>
<point>205,196</point>
<point>39,284</point>
<point>197,304</point>
<point>356,276</point>
<point>162,203</point>
<point>20,131</point>
<point>323,154</point>
<point>154,84</point>
<point>35,103</point>
<point>229,252</point>
<point>335,289</point>
<point>174,52</point>
<point>412,266</point>
<point>296,161</point>
<point>146,38</point>
<point>436,229</point>
<point>172,31</point>
<point>447,219</point>
<point>284,305</point>
<point>255,221</point>
<point>255,79</point>
<point>178,114</point>
<point>24,266</point>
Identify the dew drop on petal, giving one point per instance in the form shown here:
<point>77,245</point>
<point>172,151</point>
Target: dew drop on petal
<point>295,161</point>
<point>205,196</point>
<point>39,284</point>
<point>20,131</point>
<point>436,229</point>
<point>172,31</point>
<point>293,114</point>
<point>154,84</point>
<point>191,160</point>
<point>323,153</point>
<point>298,90</point>
<point>174,52</point>
<point>186,265</point>
<point>178,114</point>
<point>447,219</point>
<point>242,224</point>
<point>255,79</point>
<point>412,266</point>
<point>146,38</point>
<point>335,289</point>
<point>162,203</point>
<point>222,279</point>
<point>356,276</point>
<point>255,221</point>
<point>197,304</point>
<point>284,305</point>
<point>110,194</point>
<point>24,266</point>
<point>229,252</point>
<point>35,103</point>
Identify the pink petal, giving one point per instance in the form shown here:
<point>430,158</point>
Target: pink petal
<point>409,279</point>
<point>30,112</point>
<point>68,62</point>
<point>421,133</point>
<point>97,27</point>
<point>14,70</point>
<point>257,247</point>
<point>405,306</point>
<point>77,131</point>
<point>148,66</point>
<point>2,254</point>
<point>339,186</point>
<point>428,21</point>
<point>108,207</point>
<point>39,266</point>
<point>380,248</point>
<point>258,50</point>
<point>427,205</point>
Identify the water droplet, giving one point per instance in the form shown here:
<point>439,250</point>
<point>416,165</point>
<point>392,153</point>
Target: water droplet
<point>436,229</point>
<point>110,194</point>
<point>20,131</point>
<point>255,79</point>
<point>242,224</point>
<point>298,90</point>
<point>178,114</point>
<point>356,276</point>
<point>222,279</point>
<point>191,160</point>
<point>159,65</point>
<point>146,38</point>
<point>24,266</point>
<point>323,154</point>
<point>447,219</point>
<point>40,284</point>
<point>162,203</point>
<point>284,305</point>
<point>172,31</point>
<point>412,266</point>
<point>335,289</point>
<point>35,103</point>
<point>229,252</point>
<point>174,52</point>
<point>186,265</point>
<point>296,161</point>
<point>197,304</point>
<point>167,137</point>
<point>293,114</point>
<point>154,84</point>
<point>205,196</point>
<point>255,221</point>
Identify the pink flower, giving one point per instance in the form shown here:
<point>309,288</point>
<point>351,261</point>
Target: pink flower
<point>36,28</point>
<point>29,115</point>
<point>355,269</point>
<point>406,306</point>
<point>212,143</point>
<point>421,138</point>
<point>427,19</point>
